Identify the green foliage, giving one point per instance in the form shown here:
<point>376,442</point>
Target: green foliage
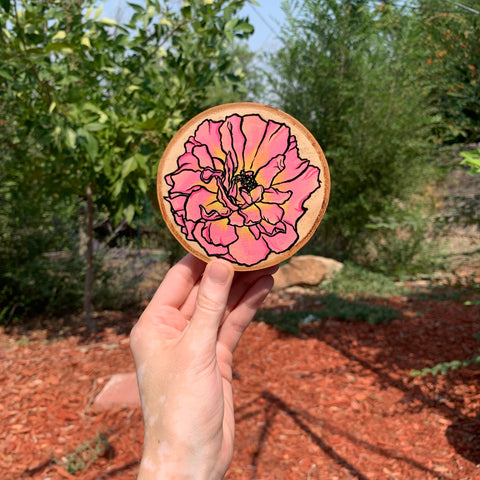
<point>445,367</point>
<point>102,99</point>
<point>350,72</point>
<point>355,280</point>
<point>402,243</point>
<point>86,454</point>
<point>472,160</point>
<point>451,71</point>
<point>333,306</point>
<point>116,281</point>
<point>88,103</point>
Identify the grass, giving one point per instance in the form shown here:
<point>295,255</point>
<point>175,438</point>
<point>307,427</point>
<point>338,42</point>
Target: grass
<point>332,306</point>
<point>356,281</point>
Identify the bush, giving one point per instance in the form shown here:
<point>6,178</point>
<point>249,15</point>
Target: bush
<point>350,72</point>
<point>35,281</point>
<point>401,244</point>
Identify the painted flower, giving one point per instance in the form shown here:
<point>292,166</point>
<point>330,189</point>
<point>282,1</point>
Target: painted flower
<point>240,188</point>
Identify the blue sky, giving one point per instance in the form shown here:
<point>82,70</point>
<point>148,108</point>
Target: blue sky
<point>266,18</point>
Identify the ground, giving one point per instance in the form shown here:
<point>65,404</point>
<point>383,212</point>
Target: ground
<point>335,401</point>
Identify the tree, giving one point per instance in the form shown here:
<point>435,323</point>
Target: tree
<point>349,70</point>
<point>100,100</point>
<point>450,37</point>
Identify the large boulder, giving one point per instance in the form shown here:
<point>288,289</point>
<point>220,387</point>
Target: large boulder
<point>306,270</point>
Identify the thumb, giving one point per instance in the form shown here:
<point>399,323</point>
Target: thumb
<point>211,302</point>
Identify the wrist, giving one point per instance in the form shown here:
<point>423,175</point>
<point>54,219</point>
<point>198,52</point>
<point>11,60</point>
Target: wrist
<point>172,464</point>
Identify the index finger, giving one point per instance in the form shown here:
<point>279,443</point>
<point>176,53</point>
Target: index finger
<point>178,283</point>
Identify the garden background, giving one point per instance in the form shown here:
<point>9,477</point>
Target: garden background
<point>372,374</point>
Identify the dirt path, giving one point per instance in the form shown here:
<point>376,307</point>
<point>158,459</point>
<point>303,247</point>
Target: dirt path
<point>335,402</point>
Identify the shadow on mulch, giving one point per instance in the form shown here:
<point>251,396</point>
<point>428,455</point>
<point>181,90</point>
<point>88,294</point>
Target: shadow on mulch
<point>464,436</point>
<point>121,323</point>
<point>302,419</point>
<point>429,328</point>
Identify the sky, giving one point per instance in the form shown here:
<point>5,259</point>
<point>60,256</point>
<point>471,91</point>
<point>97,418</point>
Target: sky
<point>266,18</point>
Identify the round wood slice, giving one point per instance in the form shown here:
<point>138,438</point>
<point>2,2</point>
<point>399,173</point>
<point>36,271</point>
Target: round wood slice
<point>243,182</point>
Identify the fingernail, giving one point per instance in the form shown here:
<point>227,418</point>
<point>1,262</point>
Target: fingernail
<point>218,272</point>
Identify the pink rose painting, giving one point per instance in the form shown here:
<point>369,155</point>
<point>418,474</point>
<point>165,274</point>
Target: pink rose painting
<point>240,188</point>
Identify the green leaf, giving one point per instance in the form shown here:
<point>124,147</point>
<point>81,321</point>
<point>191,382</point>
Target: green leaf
<point>129,166</point>
<point>85,41</point>
<point>5,4</point>
<point>117,188</point>
<point>472,160</point>
<point>244,27</point>
<point>91,144</point>
<point>108,21</point>
<point>132,88</point>
<point>70,137</point>
<point>129,213</point>
<point>60,35</point>
<point>142,185</point>
<point>98,12</point>
<point>5,75</point>
<point>88,12</point>
<point>58,47</point>
<point>95,127</point>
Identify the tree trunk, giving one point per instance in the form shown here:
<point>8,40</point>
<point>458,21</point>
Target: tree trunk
<point>87,295</point>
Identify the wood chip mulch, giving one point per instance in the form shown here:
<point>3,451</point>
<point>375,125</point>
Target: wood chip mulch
<point>335,402</point>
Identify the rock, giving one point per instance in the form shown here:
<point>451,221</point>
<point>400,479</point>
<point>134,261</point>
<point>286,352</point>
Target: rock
<point>120,390</point>
<point>332,267</point>
<point>306,270</point>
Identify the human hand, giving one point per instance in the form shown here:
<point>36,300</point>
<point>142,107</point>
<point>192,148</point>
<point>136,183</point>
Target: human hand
<point>183,346</point>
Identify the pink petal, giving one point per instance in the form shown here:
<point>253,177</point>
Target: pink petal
<point>221,232</point>
<point>302,187</point>
<point>208,174</point>
<point>179,219</point>
<point>282,241</point>
<point>253,127</point>
<point>268,172</point>
<point>270,230</point>
<point>248,250</point>
<point>203,155</point>
<point>186,181</point>
<point>236,219</point>
<point>177,202</point>
<point>233,141</point>
<point>251,214</point>
<point>201,233</point>
<point>198,202</point>
<point>230,168</point>
<point>224,198</point>
<point>257,194</point>
<point>294,165</point>
<point>273,195</point>
<point>208,134</point>
<point>245,197</point>
<point>190,143</point>
<point>188,161</point>
<point>274,143</point>
<point>271,212</point>
<point>189,227</point>
<point>255,231</point>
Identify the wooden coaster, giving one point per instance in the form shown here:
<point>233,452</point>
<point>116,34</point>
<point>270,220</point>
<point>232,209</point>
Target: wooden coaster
<point>244,182</point>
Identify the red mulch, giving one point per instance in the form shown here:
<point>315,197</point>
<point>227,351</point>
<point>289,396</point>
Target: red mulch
<point>336,402</point>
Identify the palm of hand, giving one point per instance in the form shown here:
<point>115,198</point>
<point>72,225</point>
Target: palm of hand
<point>185,367</point>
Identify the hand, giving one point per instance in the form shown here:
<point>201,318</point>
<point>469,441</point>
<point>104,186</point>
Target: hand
<point>183,346</point>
